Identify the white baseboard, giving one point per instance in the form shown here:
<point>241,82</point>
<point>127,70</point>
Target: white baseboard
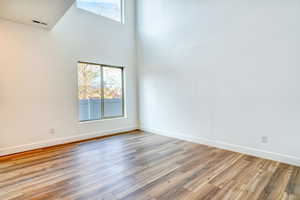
<point>48,143</point>
<point>292,160</point>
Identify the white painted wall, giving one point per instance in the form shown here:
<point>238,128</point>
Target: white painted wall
<point>24,11</point>
<point>38,77</point>
<point>224,72</point>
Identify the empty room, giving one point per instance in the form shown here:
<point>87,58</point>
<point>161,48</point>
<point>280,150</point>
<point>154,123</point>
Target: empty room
<point>150,100</point>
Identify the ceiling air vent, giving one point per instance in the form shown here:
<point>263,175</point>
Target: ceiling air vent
<point>39,22</point>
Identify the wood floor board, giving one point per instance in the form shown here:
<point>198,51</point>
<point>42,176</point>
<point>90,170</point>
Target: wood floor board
<point>144,166</point>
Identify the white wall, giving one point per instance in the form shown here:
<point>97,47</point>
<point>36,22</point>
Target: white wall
<point>38,77</point>
<point>223,72</point>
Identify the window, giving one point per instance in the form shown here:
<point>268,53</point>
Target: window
<point>111,9</point>
<point>100,91</point>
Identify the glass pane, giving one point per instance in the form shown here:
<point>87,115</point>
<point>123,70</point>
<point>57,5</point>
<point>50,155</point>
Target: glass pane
<point>113,92</point>
<point>111,9</point>
<point>89,92</point>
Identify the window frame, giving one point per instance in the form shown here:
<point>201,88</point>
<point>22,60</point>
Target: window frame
<point>102,106</point>
<point>122,14</point>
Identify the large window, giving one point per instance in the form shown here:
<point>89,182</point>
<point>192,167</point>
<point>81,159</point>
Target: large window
<point>111,9</point>
<point>100,91</point>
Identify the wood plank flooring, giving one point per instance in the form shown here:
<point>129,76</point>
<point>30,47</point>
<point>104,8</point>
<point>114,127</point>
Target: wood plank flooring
<point>144,166</point>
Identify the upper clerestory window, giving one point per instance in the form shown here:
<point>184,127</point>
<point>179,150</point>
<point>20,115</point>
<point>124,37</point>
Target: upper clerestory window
<point>112,9</point>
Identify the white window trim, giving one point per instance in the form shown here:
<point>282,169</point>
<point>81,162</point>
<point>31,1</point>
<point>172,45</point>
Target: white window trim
<point>122,20</point>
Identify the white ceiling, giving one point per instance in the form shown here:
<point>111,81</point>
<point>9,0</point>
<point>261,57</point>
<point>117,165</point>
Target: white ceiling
<point>24,11</point>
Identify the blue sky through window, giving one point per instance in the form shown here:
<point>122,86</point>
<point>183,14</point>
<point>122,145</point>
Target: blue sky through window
<point>111,9</point>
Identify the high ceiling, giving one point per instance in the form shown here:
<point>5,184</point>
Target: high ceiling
<point>25,11</point>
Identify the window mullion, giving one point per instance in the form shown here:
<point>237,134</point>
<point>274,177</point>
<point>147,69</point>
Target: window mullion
<point>102,93</point>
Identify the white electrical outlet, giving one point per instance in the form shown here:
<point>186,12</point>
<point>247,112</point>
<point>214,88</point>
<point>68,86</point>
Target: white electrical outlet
<point>264,139</point>
<point>52,131</point>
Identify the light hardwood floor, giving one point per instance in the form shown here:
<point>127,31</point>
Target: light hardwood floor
<point>144,166</point>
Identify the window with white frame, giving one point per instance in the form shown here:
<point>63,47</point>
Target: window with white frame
<point>112,9</point>
<point>100,91</point>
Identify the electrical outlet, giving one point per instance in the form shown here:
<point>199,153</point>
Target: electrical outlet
<point>264,139</point>
<point>52,131</point>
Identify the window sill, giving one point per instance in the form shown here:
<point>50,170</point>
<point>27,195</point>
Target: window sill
<point>102,120</point>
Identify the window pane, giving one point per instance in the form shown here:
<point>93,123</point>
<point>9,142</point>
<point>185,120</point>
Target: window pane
<point>113,92</point>
<point>89,81</point>
<point>111,9</point>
